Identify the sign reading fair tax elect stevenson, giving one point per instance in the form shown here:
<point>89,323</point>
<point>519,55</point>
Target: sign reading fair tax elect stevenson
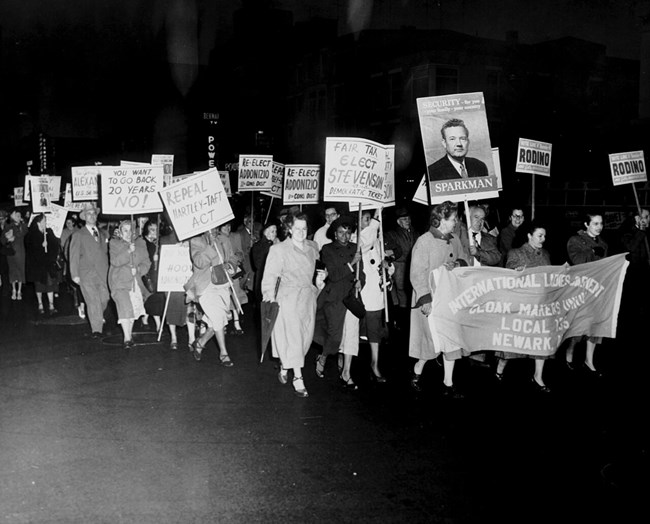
<point>627,168</point>
<point>534,157</point>
<point>355,170</point>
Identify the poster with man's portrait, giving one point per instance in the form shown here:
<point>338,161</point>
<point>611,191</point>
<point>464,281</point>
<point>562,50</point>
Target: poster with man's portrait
<point>457,146</point>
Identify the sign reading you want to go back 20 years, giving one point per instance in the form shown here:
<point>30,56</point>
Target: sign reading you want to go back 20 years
<point>355,170</point>
<point>277,174</point>
<point>197,204</point>
<point>174,268</point>
<point>528,312</point>
<point>301,184</point>
<point>131,190</point>
<point>627,168</point>
<point>255,173</point>
<point>534,157</point>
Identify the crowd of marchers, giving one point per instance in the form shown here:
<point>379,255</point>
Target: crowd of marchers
<point>335,286</point>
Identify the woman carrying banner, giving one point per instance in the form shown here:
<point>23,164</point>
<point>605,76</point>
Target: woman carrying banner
<point>290,269</point>
<point>531,254</point>
<point>586,246</point>
<point>235,257</point>
<point>211,289</point>
<point>14,237</point>
<point>128,262</point>
<point>436,248</point>
<point>41,255</point>
<point>155,304</point>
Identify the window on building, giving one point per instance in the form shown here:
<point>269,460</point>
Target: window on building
<point>420,81</point>
<point>492,90</point>
<point>446,80</point>
<point>395,88</point>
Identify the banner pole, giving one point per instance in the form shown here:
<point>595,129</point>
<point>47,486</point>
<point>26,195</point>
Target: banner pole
<point>532,205</point>
<point>162,320</point>
<point>157,255</point>
<point>356,290</point>
<point>383,268</point>
<point>267,214</point>
<point>232,286</point>
<point>638,208</point>
<point>252,209</point>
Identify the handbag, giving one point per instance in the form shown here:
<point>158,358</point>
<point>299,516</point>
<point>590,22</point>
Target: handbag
<point>218,275</point>
<point>353,302</point>
<point>147,281</point>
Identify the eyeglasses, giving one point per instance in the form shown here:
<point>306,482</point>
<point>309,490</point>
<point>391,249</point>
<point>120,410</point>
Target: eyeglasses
<point>517,216</point>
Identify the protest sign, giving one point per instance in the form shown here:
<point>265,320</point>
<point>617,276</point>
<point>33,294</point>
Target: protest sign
<point>85,180</point>
<point>225,180</point>
<point>174,268</point>
<point>627,168</point>
<point>56,219</point>
<point>255,173</point>
<point>167,162</point>
<point>449,124</point>
<point>420,195</point>
<point>131,163</point>
<point>301,184</point>
<point>497,167</point>
<point>355,170</point>
<point>53,184</point>
<point>528,312</point>
<point>67,201</point>
<point>40,190</point>
<point>277,174</point>
<point>19,192</point>
<point>389,184</point>
<point>197,204</point>
<point>534,157</point>
<point>131,190</point>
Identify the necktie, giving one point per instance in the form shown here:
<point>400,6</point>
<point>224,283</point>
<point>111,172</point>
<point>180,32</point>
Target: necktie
<point>95,234</point>
<point>463,171</point>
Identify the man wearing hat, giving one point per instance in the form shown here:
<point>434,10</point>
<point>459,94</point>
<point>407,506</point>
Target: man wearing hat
<point>89,266</point>
<point>402,238</point>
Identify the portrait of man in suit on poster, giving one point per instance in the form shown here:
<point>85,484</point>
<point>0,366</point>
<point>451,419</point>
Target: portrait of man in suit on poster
<point>455,164</point>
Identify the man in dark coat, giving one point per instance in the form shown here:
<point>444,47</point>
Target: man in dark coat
<point>456,164</point>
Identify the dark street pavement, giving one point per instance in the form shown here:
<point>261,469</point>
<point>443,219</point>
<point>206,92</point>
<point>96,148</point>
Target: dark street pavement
<point>93,433</point>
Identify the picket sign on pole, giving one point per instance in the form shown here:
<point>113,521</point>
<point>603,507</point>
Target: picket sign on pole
<point>356,289</point>
<point>638,207</point>
<point>162,320</point>
<point>468,222</point>
<point>383,267</point>
<point>252,210</point>
<point>532,206</point>
<point>232,286</point>
<point>267,214</point>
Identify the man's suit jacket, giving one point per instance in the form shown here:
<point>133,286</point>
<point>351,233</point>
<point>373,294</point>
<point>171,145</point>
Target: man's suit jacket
<point>444,170</point>
<point>89,257</point>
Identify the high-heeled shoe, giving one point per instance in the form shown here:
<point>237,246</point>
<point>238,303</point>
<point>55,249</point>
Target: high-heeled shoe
<point>197,348</point>
<point>539,388</point>
<point>283,378</point>
<point>299,391</point>
<point>320,366</point>
<point>348,384</point>
<point>377,379</point>
<point>415,382</point>
<point>591,372</point>
<point>225,361</point>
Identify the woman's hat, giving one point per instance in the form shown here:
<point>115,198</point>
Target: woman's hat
<point>402,212</point>
<point>88,206</point>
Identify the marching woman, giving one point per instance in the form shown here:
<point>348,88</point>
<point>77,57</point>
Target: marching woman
<point>211,289</point>
<point>14,235</point>
<point>531,254</point>
<point>438,247</point>
<point>129,260</point>
<point>259,253</point>
<point>155,304</point>
<point>586,246</point>
<point>339,258</point>
<point>41,254</point>
<point>292,263</point>
<point>235,257</point>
